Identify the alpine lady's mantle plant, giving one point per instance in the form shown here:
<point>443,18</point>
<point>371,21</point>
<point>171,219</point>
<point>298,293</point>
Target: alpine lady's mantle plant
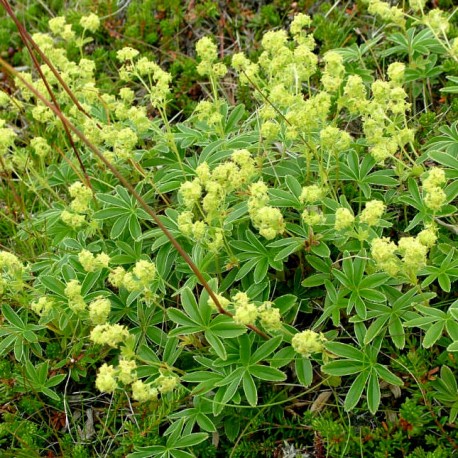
<point>319,221</point>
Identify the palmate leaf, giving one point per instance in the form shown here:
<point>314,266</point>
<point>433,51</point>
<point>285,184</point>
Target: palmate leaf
<point>411,42</point>
<point>447,142</point>
<point>364,363</point>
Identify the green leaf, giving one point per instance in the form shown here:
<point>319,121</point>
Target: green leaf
<point>260,271</point>
<point>315,280</point>
<point>321,250</point>
<point>373,393</point>
<point>190,440</point>
<point>205,423</point>
<point>89,281</point>
<point>282,357</point>
<point>285,303</point>
<point>190,306</point>
<point>304,371</point>
<point>372,295</point>
<point>178,317</point>
<point>232,388</point>
<point>387,375</point>
<point>375,329</point>
<point>147,452</point>
<point>433,334</point>
<point>217,345</point>
<point>12,317</point>
<point>176,453</point>
<point>224,327</point>
<point>118,227</point>
<point>397,334</point>
<point>444,282</point>
<point>342,367</point>
<point>53,284</point>
<point>267,373</point>
<point>345,351</point>
<point>453,347</point>
<point>134,227</point>
<point>249,388</point>
<point>266,349</point>
<point>356,390</point>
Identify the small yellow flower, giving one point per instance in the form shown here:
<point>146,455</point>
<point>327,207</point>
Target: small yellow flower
<point>344,219</point>
<point>308,342</point>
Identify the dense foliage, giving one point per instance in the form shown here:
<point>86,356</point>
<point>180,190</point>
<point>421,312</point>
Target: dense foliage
<point>233,253</point>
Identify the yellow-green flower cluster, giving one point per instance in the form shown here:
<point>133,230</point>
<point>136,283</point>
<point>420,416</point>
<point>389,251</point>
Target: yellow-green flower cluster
<point>334,139</point>
<point>437,20</point>
<point>11,272</point>
<point>99,310</point>
<point>75,299</point>
<point>387,12</point>
<point>141,277</point>
<point>72,219</point>
<point>298,24</point>
<point>209,112</point>
<point>269,316</point>
<point>82,196</point>
<point>372,212</point>
<point>208,192</point>
<point>355,95</point>
<point>224,302</point>
<point>308,342</point>
<point>311,194</point>
<point>288,65</point>
<point>304,116</point>
<point>40,146</point>
<point>10,262</point>
<point>396,72</point>
<point>109,376</point>
<point>58,26</point>
<point>42,306</point>
<point>344,219</point>
<point>268,220</point>
<point>381,114</point>
<point>413,252</point>
<point>313,216</point>
<point>427,236</point>
<point>90,262</point>
<point>417,5</point>
<point>166,383</point>
<point>207,52</point>
<point>334,71</point>
<point>7,137</point>
<point>434,195</point>
<point>249,71</point>
<point>127,54</point>
<point>122,139</point>
<point>246,312</point>
<point>383,252</point>
<point>90,22</point>
<point>109,334</point>
<point>106,379</point>
<point>141,68</point>
<point>143,392</point>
